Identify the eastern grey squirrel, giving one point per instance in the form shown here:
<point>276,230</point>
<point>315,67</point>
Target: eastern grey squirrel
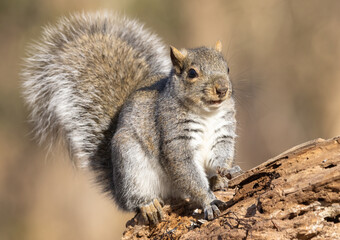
<point>152,127</point>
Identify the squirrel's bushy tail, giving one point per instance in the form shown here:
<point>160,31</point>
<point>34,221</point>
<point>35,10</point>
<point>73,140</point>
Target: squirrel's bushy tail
<point>77,77</point>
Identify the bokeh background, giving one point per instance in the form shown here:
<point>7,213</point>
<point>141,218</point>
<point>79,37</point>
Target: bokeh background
<point>284,57</point>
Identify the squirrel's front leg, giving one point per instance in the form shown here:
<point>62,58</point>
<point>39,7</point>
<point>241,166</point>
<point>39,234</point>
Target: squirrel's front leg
<point>187,176</point>
<point>220,168</point>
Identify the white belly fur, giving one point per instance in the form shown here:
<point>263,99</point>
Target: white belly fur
<point>203,142</point>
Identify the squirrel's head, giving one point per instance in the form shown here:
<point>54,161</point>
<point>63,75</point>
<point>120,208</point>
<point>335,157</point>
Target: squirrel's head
<point>201,77</point>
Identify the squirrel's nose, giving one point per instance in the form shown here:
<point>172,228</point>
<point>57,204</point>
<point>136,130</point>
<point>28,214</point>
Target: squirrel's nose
<point>221,91</point>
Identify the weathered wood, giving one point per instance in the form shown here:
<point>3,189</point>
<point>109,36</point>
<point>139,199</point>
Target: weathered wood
<point>295,195</point>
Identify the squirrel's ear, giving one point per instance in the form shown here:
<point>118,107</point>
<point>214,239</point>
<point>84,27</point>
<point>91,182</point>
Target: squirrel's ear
<point>177,58</point>
<point>218,46</point>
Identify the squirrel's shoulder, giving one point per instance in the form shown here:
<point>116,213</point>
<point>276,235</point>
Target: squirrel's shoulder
<point>147,93</point>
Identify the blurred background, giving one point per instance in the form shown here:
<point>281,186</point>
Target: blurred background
<point>284,57</point>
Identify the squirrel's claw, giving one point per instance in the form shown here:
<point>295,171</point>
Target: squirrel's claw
<point>152,213</point>
<point>212,210</point>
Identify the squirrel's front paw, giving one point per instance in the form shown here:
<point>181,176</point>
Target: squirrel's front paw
<point>152,213</point>
<point>212,210</point>
<point>218,182</point>
<point>229,172</point>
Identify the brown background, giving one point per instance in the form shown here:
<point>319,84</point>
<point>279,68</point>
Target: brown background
<point>284,58</point>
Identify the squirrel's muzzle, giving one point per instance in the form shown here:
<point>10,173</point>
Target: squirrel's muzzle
<point>221,91</point>
<point>221,87</point>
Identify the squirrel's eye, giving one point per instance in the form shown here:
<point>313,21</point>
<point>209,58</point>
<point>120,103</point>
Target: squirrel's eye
<point>192,73</point>
<point>228,70</point>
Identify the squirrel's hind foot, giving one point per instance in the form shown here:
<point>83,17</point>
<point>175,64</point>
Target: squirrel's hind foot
<point>152,213</point>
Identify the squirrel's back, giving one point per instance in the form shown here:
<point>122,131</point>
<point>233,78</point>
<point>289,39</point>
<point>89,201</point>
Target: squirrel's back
<point>78,76</point>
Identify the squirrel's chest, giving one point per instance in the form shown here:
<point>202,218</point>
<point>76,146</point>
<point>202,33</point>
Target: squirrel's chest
<point>208,129</point>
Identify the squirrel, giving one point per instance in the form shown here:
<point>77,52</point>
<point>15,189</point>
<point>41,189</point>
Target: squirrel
<point>152,125</point>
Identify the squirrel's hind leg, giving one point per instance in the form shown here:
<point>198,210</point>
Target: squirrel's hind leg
<point>139,179</point>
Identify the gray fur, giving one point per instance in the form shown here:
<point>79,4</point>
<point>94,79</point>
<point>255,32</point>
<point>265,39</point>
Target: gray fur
<point>106,85</point>
<point>78,76</point>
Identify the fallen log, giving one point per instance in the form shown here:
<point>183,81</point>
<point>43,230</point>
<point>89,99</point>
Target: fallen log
<point>295,195</point>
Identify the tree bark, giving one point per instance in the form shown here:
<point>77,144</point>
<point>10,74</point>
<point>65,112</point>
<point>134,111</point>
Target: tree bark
<point>295,195</point>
